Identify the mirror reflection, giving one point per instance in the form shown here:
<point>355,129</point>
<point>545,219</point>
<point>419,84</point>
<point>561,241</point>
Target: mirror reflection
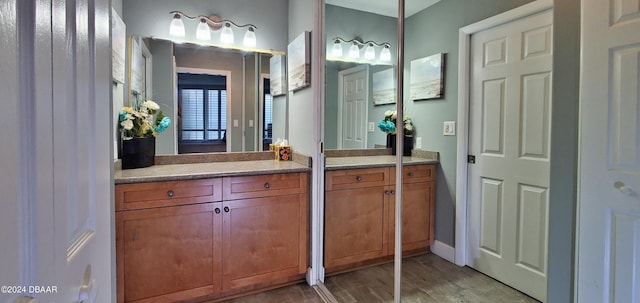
<point>206,84</point>
<point>359,88</point>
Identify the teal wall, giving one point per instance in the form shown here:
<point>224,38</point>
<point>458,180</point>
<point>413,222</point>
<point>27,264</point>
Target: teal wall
<point>431,31</point>
<point>564,150</point>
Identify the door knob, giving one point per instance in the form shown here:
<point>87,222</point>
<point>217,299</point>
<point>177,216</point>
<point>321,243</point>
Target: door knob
<point>623,188</point>
<point>25,299</point>
<point>89,288</point>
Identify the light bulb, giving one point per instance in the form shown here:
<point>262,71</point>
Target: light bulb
<point>202,32</point>
<point>249,38</point>
<point>336,51</point>
<point>385,54</point>
<point>369,52</point>
<point>177,27</point>
<point>226,36</point>
<point>354,51</point>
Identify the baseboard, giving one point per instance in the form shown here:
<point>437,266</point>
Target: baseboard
<point>444,251</point>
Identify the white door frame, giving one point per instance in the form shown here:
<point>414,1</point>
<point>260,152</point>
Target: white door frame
<point>341,75</point>
<point>464,66</point>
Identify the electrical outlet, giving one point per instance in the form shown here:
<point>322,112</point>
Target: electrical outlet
<point>449,128</point>
<point>418,142</point>
<point>235,123</point>
<point>371,127</point>
<point>250,123</point>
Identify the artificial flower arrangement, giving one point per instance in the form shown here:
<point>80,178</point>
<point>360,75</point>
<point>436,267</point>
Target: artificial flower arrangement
<point>388,124</point>
<point>146,121</point>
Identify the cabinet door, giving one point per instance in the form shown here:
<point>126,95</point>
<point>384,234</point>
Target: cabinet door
<point>165,254</point>
<point>417,217</point>
<point>355,226</point>
<point>264,240</point>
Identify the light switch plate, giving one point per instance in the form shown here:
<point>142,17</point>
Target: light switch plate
<point>418,142</point>
<point>449,128</point>
<point>371,127</point>
<point>250,123</point>
<point>235,123</point>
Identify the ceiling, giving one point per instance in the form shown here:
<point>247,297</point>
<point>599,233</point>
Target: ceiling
<point>384,7</point>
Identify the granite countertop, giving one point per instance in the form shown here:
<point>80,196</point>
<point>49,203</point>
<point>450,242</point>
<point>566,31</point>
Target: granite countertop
<point>336,163</point>
<point>190,171</point>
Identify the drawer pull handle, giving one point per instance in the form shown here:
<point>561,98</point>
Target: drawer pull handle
<point>358,178</point>
<point>217,210</point>
<point>267,185</point>
<point>226,209</point>
<point>410,174</point>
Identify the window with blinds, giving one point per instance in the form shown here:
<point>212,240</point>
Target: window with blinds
<point>203,114</point>
<point>267,110</point>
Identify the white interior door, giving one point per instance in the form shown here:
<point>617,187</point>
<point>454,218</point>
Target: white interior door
<point>352,113</point>
<point>609,202</point>
<point>510,110</point>
<point>61,154</point>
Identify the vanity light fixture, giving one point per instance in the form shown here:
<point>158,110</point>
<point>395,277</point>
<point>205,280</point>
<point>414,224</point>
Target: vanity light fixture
<point>208,23</point>
<point>356,44</point>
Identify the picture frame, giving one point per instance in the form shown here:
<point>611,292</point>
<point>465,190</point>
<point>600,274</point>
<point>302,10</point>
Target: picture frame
<point>384,87</point>
<point>277,75</point>
<point>299,62</point>
<point>118,47</point>
<point>427,77</point>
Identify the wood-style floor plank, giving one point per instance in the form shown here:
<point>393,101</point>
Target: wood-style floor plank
<point>426,278</point>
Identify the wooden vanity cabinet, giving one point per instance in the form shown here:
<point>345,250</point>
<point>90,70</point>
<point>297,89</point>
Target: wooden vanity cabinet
<point>356,211</point>
<point>418,209</point>
<point>360,214</point>
<point>212,243</point>
<point>266,230</point>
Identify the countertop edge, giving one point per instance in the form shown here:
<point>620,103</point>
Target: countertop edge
<point>375,165</point>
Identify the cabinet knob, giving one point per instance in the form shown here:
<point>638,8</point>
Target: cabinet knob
<point>170,194</point>
<point>217,210</point>
<point>410,174</point>
<point>393,192</point>
<point>267,185</point>
<point>226,209</point>
<point>358,178</point>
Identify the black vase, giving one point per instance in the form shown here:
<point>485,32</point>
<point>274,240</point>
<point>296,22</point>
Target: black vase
<point>406,147</point>
<point>138,152</point>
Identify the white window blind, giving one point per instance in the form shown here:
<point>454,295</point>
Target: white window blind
<point>192,114</point>
<point>268,114</point>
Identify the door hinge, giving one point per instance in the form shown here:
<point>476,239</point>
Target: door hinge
<point>471,159</point>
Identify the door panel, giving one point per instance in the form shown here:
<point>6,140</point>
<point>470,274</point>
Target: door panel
<point>609,204</point>
<point>509,135</point>
<point>353,114</point>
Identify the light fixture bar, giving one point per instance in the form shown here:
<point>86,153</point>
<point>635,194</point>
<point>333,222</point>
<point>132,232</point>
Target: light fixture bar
<point>354,51</point>
<point>177,28</point>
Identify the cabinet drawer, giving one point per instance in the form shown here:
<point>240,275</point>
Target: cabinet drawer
<point>416,173</point>
<point>356,178</point>
<point>264,186</point>
<point>159,194</point>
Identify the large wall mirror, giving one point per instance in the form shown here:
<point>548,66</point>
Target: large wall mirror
<point>217,94</point>
<point>358,90</point>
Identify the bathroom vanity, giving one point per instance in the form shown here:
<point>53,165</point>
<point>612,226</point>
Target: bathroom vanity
<point>360,209</point>
<point>210,230</point>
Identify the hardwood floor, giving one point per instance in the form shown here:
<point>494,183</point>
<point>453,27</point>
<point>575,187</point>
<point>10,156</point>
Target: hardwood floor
<point>426,278</point>
<point>298,293</point>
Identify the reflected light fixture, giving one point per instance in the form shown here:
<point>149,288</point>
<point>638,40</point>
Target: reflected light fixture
<point>208,23</point>
<point>354,49</point>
